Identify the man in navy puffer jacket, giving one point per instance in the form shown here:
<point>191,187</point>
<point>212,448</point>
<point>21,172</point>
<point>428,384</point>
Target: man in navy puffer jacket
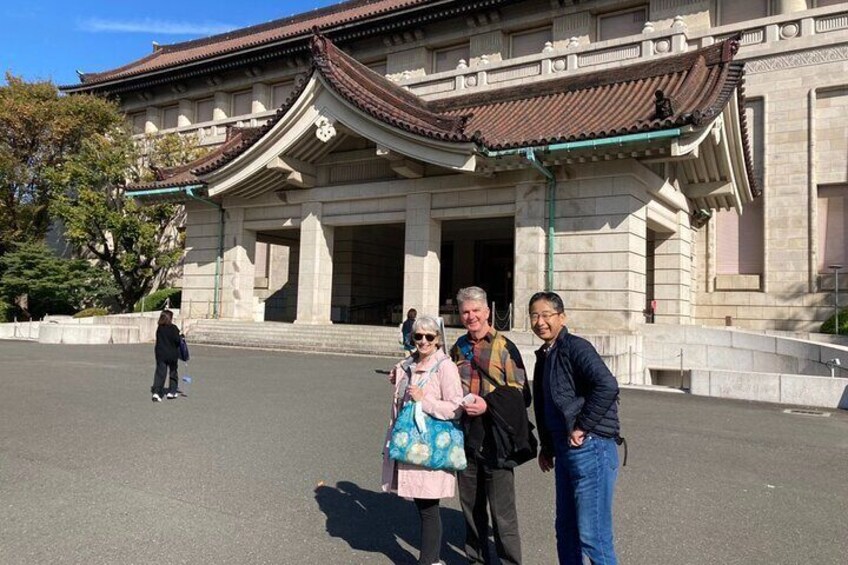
<point>576,404</point>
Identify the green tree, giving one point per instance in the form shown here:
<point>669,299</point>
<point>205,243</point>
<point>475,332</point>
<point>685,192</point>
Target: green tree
<point>39,131</point>
<point>133,242</point>
<point>52,285</point>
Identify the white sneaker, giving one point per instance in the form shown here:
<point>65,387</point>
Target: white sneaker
<point>172,395</point>
<point>157,398</point>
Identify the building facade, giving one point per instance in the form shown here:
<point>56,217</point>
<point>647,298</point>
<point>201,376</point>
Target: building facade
<point>680,160</point>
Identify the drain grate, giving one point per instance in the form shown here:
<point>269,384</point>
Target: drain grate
<point>802,412</point>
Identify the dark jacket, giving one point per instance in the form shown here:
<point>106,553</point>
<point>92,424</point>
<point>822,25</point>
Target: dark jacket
<point>167,343</point>
<point>514,442</point>
<point>572,387</point>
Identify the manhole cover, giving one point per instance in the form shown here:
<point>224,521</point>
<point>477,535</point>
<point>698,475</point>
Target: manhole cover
<point>802,412</point>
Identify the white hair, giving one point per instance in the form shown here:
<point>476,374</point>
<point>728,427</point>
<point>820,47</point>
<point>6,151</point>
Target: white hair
<point>472,294</point>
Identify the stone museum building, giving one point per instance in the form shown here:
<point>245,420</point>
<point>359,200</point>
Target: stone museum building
<point>682,161</point>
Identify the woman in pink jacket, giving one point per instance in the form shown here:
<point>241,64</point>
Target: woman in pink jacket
<point>441,397</point>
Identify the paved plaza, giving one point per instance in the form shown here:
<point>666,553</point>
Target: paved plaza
<point>275,458</point>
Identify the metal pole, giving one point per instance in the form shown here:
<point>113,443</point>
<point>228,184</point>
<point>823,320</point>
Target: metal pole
<point>681,367</point>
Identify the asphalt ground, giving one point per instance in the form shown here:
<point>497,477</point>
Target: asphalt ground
<point>275,458</point>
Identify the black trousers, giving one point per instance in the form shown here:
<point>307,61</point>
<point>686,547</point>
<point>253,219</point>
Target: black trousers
<point>431,530</point>
<point>163,368</point>
<point>481,486</point>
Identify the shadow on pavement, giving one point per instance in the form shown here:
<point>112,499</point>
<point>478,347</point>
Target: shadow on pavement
<point>375,521</point>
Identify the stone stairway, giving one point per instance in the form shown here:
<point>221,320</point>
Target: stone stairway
<point>336,338</point>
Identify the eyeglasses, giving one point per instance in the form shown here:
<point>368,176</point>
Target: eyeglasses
<point>544,316</point>
<point>419,337</point>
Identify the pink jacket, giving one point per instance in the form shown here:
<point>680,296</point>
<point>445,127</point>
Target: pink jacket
<point>442,398</point>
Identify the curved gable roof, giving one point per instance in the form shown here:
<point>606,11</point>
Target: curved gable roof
<point>694,87</point>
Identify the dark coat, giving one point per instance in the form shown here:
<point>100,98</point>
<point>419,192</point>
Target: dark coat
<point>167,343</point>
<point>581,387</point>
<point>512,432</point>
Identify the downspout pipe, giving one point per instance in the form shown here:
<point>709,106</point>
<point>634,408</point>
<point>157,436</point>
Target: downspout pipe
<point>189,191</point>
<point>529,153</point>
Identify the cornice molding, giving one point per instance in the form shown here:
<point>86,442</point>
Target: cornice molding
<point>800,59</point>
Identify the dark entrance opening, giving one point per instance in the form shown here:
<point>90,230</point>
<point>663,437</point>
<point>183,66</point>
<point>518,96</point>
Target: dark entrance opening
<point>478,253</point>
<point>368,263</point>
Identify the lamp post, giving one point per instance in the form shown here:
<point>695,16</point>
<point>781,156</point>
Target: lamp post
<point>836,269</point>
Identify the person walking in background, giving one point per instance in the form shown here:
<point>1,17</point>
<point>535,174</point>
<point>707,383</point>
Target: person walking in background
<point>486,360</point>
<point>430,377</point>
<point>167,352</point>
<point>576,405</point>
<point>406,330</point>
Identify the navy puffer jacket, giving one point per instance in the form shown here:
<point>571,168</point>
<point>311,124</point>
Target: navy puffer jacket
<point>581,387</point>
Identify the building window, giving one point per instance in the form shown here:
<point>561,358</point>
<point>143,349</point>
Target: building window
<point>378,67</point>
<point>530,42</point>
<point>204,110</point>
<point>833,226</point>
<point>138,121</point>
<point>170,117</point>
<point>242,103</point>
<point>739,239</point>
<point>734,11</point>
<point>622,24</point>
<point>447,59</point>
<point>280,93</point>
<point>823,3</point>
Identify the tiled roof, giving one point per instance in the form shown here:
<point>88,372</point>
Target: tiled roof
<point>608,103</point>
<point>382,99</point>
<point>169,56</point>
<point>688,89</point>
<point>237,140</point>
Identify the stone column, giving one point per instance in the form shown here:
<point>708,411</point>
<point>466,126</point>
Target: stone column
<point>315,271</point>
<point>239,249</point>
<point>153,119</point>
<point>530,248</point>
<point>422,264</point>
<point>599,252</point>
<point>673,274</point>
<point>186,117</point>
<point>222,106</point>
<point>261,98</point>
<point>790,6</point>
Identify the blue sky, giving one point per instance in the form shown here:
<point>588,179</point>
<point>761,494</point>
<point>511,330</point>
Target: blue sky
<point>49,40</point>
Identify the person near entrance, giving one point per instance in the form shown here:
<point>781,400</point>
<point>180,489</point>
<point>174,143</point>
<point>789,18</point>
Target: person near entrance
<point>430,377</point>
<point>486,360</point>
<point>576,405</point>
<point>406,330</point>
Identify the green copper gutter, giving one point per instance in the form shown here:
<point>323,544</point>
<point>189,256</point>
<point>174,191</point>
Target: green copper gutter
<point>529,153</point>
<point>189,191</point>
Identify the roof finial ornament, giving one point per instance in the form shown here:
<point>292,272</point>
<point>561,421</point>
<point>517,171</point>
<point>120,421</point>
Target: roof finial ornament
<point>664,105</point>
<point>318,43</point>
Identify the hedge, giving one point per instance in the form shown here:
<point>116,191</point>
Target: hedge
<point>156,300</point>
<point>91,312</point>
<point>829,324</point>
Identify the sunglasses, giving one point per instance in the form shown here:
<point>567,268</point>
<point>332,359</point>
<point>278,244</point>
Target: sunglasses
<point>419,337</point>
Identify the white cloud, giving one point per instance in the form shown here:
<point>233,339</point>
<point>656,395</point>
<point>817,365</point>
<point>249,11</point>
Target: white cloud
<point>147,25</point>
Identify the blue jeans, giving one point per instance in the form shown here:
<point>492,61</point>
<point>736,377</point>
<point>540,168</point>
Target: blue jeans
<point>585,480</point>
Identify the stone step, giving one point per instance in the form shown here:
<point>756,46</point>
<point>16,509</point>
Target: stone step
<point>337,338</point>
